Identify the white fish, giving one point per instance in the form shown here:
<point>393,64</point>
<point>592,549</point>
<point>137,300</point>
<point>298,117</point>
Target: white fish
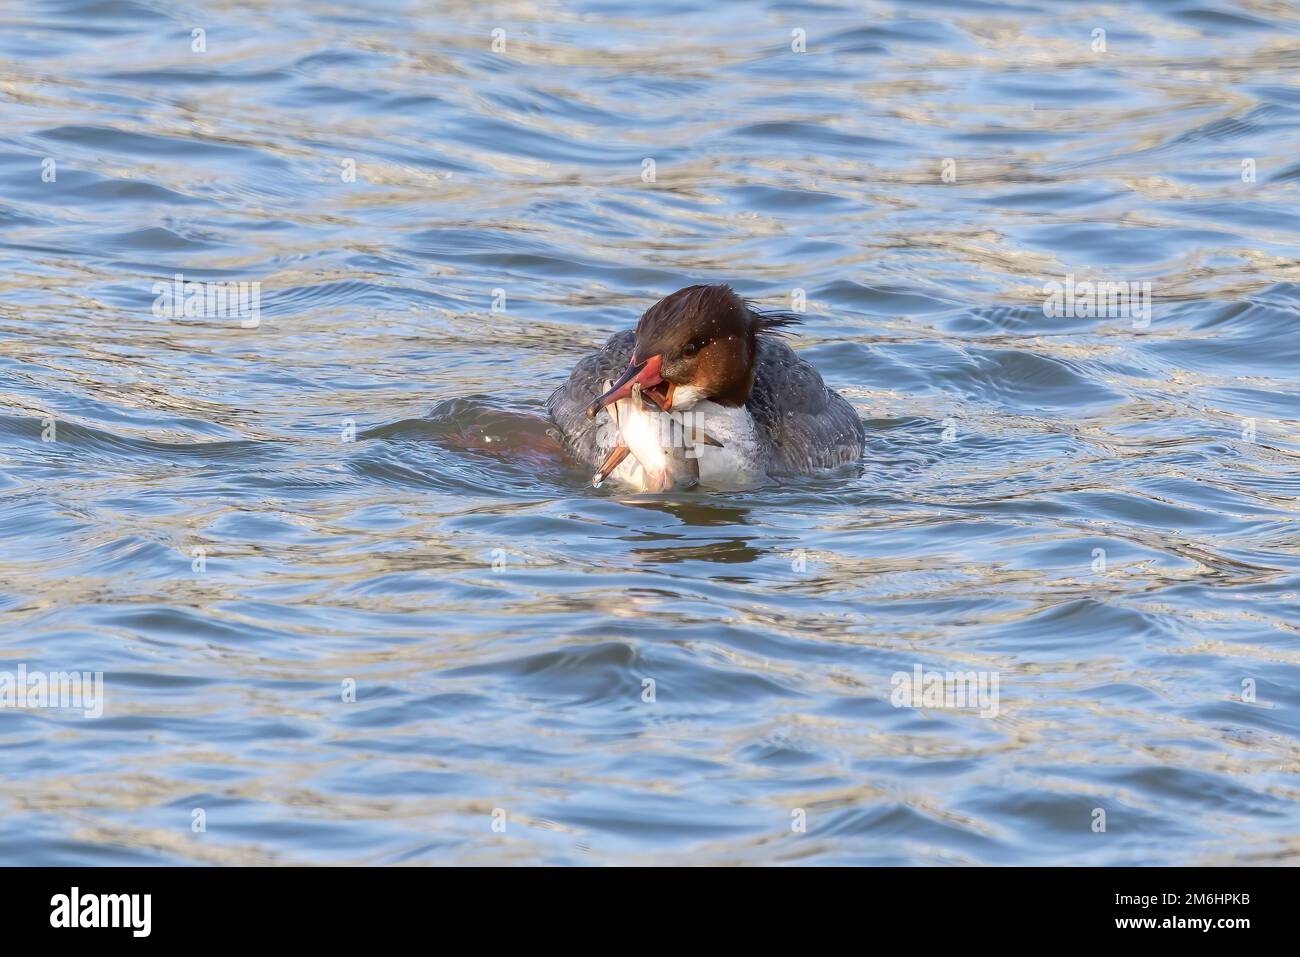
<point>664,451</point>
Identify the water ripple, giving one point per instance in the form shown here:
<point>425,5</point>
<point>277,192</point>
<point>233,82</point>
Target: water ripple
<point>245,527</point>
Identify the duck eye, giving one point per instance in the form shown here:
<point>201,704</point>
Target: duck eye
<point>690,349</point>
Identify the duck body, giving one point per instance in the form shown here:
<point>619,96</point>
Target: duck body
<point>737,409</point>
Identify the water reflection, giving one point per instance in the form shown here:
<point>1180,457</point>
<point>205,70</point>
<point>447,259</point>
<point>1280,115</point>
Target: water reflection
<point>234,523</point>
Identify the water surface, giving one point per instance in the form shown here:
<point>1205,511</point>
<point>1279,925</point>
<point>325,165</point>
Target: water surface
<point>234,524</point>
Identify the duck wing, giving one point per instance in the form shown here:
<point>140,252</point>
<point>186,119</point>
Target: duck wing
<point>805,425</point>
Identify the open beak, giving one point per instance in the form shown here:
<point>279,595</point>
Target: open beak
<point>646,375</point>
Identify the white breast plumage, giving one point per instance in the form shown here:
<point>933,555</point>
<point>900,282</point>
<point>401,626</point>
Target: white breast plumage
<point>739,462</point>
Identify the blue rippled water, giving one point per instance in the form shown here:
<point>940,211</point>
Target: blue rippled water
<point>446,205</point>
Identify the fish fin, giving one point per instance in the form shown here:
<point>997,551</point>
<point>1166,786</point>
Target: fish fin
<point>612,461</point>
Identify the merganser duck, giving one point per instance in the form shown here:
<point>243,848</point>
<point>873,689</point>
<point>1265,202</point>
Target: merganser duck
<point>703,392</point>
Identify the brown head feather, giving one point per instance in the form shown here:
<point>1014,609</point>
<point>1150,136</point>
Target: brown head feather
<point>708,337</point>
